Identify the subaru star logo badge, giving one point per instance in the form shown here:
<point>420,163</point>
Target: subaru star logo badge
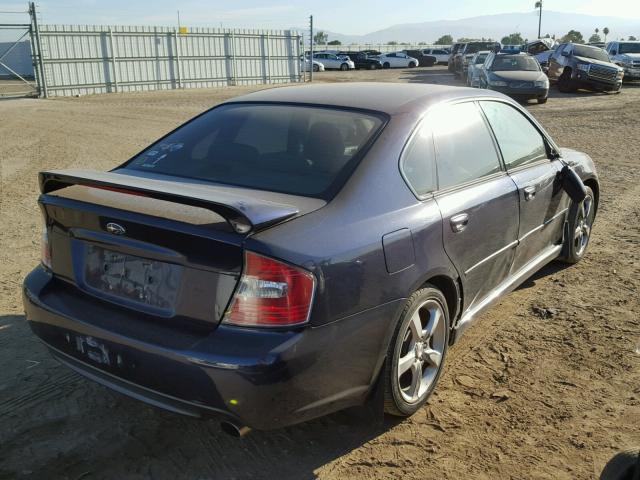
<point>115,228</point>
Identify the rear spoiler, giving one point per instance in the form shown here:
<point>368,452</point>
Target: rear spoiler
<point>243,212</point>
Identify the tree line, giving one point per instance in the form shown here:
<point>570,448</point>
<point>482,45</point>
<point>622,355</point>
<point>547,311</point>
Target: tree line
<point>322,38</point>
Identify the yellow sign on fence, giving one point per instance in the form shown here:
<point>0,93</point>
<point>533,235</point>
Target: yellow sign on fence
<point>183,30</point>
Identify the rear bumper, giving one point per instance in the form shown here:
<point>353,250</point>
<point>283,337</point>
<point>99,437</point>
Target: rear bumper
<point>263,379</point>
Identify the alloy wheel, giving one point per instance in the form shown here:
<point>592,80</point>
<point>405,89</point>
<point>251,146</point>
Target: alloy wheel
<point>583,225</point>
<point>423,345</point>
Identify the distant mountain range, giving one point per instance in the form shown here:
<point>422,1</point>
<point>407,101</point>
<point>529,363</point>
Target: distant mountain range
<point>496,27</point>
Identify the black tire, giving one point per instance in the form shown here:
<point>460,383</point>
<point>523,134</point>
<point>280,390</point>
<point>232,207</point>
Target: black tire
<point>565,84</point>
<point>412,65</point>
<point>372,66</point>
<point>623,466</point>
<point>386,65</point>
<point>543,100</point>
<point>344,67</point>
<point>394,403</point>
<point>574,249</point>
<point>316,68</point>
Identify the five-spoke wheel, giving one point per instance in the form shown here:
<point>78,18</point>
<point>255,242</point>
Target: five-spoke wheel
<point>417,352</point>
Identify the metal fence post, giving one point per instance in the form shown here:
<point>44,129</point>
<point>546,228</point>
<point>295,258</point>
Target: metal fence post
<point>266,46</point>
<point>175,31</point>
<point>113,59</point>
<point>43,79</point>
<point>233,57</point>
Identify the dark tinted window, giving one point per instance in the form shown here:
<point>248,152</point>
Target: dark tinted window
<point>515,63</point>
<point>519,141</point>
<point>418,161</point>
<point>282,148</point>
<point>464,147</point>
<point>629,48</point>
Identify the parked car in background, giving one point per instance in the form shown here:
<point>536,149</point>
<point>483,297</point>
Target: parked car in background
<point>441,55</point>
<point>541,49</point>
<point>289,252</point>
<point>332,61</point>
<point>475,65</point>
<point>574,66</point>
<point>397,60</point>
<point>627,56</point>
<point>363,61</point>
<point>462,58</point>
<point>451,61</point>
<point>371,53</point>
<point>423,60</point>
<point>517,75</point>
<point>305,65</point>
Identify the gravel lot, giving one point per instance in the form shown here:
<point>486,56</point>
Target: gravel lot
<point>546,385</point>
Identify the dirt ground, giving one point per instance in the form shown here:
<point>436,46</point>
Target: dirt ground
<point>546,385</point>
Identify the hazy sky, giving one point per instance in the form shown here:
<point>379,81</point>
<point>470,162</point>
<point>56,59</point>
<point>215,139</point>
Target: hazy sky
<point>341,16</point>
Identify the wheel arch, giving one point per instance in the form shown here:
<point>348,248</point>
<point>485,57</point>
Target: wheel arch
<point>452,291</point>
<point>593,184</point>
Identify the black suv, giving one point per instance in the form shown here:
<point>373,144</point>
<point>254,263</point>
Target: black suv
<point>462,57</point>
<point>362,60</point>
<point>423,60</point>
<point>574,66</point>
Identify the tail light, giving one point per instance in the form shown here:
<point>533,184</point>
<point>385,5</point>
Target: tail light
<point>271,294</point>
<point>45,248</point>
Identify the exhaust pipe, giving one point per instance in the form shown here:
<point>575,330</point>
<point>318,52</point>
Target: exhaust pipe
<point>234,429</point>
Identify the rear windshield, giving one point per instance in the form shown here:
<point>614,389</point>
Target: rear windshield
<point>476,47</point>
<point>514,62</point>
<point>629,48</point>
<point>591,52</point>
<point>299,150</point>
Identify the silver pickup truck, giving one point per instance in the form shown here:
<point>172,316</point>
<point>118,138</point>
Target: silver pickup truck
<point>627,55</point>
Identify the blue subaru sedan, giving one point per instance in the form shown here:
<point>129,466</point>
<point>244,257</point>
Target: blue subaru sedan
<point>289,252</point>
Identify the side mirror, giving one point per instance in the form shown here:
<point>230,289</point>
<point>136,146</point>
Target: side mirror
<point>565,53</point>
<point>613,52</point>
<point>572,184</point>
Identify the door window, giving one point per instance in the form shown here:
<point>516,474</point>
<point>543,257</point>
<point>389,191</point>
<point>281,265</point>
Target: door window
<point>464,148</point>
<point>418,160</point>
<point>519,141</point>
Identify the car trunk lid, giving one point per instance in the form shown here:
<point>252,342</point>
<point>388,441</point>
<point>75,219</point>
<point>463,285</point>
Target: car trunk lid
<point>169,249</point>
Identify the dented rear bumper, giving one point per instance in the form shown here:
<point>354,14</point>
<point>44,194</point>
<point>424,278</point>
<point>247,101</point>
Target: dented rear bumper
<point>263,379</point>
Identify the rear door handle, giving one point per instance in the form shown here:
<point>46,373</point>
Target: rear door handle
<point>529,193</point>
<point>459,222</point>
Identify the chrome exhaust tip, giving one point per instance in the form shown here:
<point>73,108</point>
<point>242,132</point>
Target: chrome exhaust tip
<point>233,429</point>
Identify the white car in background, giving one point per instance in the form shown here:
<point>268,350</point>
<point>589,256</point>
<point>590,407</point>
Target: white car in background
<point>475,65</point>
<point>397,60</point>
<point>305,64</point>
<point>331,61</point>
<point>442,55</point>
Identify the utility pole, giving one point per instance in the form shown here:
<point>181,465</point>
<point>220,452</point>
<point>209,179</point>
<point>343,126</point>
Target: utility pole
<point>178,20</point>
<point>539,6</point>
<point>311,48</point>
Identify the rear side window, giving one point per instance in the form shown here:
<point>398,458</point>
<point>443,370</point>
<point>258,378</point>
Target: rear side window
<point>282,148</point>
<point>418,161</point>
<point>519,141</point>
<point>464,148</point>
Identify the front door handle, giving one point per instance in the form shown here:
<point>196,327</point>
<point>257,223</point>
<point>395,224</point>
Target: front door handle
<point>529,193</point>
<point>459,222</point>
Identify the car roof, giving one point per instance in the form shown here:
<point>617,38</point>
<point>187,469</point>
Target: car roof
<point>389,98</point>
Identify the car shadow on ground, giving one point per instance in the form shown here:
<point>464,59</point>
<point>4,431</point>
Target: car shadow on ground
<point>546,271</point>
<point>56,424</point>
<point>439,76</point>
